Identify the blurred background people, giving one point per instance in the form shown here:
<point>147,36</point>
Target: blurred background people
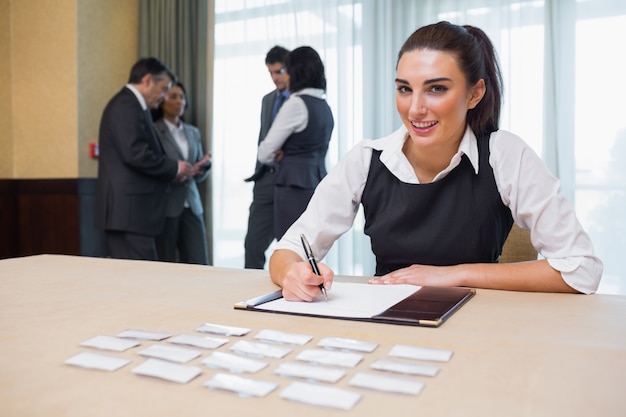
<point>260,232</point>
<point>298,139</point>
<point>184,231</point>
<point>134,172</point>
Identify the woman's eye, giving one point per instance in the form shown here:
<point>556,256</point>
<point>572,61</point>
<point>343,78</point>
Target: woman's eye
<point>438,89</point>
<point>403,89</point>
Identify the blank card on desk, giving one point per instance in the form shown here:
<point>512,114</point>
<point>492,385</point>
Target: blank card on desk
<point>394,304</point>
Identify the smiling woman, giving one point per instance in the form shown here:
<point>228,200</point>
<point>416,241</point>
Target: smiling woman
<point>553,104</point>
<point>441,193</point>
<point>433,100</point>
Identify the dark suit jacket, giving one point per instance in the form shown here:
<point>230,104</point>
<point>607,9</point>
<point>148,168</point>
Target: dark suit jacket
<point>188,190</point>
<point>133,171</point>
<point>267,104</point>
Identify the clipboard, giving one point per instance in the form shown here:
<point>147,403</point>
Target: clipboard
<point>428,307</point>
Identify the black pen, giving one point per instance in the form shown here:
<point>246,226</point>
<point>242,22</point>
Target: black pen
<point>311,259</point>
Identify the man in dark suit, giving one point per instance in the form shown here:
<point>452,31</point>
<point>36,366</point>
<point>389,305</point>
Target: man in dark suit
<point>261,219</point>
<point>133,171</point>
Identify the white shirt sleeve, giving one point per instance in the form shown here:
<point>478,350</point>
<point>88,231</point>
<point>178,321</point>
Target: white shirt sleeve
<point>292,117</point>
<point>333,207</point>
<point>531,192</point>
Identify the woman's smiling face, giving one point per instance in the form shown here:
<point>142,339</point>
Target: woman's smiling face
<point>432,97</point>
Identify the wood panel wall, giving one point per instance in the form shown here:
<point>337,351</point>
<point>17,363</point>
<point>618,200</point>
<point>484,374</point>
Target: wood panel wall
<point>9,236</point>
<point>47,216</point>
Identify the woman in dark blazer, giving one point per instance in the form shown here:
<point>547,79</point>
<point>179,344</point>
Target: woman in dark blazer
<point>184,229</point>
<point>298,139</point>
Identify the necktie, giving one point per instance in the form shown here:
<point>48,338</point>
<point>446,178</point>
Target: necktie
<point>280,99</point>
<point>152,131</point>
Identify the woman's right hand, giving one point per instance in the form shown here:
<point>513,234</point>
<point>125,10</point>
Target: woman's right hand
<point>301,284</point>
<point>296,277</point>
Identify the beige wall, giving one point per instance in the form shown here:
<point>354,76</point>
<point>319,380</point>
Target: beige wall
<point>63,59</point>
<point>6,109</point>
<point>108,46</point>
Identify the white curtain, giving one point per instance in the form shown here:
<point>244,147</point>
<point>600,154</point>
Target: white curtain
<point>561,61</point>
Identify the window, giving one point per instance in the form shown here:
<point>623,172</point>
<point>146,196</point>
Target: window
<point>600,137</point>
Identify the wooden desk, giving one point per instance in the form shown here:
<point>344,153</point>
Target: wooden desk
<point>515,354</point>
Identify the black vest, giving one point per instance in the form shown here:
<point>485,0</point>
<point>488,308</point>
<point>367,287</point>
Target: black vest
<point>313,140</point>
<point>458,219</point>
<point>303,164</point>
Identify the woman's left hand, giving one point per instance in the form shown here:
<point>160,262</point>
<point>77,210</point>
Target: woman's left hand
<point>202,165</point>
<point>278,155</point>
<point>422,275</point>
